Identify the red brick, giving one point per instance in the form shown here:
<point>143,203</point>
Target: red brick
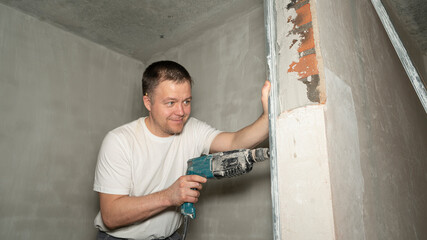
<point>307,41</point>
<point>306,66</point>
<point>303,15</point>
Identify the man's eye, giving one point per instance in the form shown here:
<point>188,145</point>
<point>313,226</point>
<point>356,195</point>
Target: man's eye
<point>187,102</point>
<point>169,104</point>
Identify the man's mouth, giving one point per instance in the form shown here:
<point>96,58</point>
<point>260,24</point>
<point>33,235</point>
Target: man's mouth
<point>177,120</point>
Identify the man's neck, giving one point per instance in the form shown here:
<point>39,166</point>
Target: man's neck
<point>149,123</point>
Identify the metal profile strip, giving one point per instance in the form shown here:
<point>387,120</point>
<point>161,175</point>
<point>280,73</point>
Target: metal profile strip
<point>273,105</point>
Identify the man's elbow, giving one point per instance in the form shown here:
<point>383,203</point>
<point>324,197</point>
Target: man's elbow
<point>108,211</point>
<point>109,222</point>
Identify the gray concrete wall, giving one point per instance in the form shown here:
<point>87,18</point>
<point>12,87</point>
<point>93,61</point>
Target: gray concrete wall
<point>59,95</point>
<point>228,66</point>
<point>376,128</point>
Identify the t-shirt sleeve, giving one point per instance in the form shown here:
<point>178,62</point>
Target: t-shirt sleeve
<point>204,135</point>
<point>113,169</point>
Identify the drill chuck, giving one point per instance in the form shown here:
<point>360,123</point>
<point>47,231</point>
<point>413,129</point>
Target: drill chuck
<point>237,162</point>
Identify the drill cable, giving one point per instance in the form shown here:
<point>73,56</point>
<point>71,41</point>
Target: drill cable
<point>186,220</point>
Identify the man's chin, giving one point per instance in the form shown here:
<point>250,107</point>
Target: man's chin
<point>177,127</point>
<point>174,131</point>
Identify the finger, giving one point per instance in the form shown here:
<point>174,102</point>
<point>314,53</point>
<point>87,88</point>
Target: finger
<point>192,199</point>
<point>264,95</point>
<point>266,88</point>
<point>192,196</point>
<point>196,178</point>
<point>188,183</point>
<point>196,185</point>
<point>194,193</point>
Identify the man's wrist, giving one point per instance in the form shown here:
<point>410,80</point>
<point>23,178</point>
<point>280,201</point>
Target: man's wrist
<point>164,199</point>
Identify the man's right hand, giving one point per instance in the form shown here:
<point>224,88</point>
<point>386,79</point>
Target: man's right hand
<point>185,189</point>
<point>122,210</point>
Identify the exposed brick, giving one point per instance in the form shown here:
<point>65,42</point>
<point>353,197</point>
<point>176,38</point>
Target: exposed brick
<point>308,52</point>
<point>306,66</point>
<point>307,40</point>
<point>296,4</point>
<point>312,83</point>
<point>303,15</point>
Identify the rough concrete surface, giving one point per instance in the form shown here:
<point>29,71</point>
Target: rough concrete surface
<point>391,127</point>
<point>411,15</point>
<point>227,64</point>
<point>410,22</point>
<point>134,28</point>
<point>59,95</point>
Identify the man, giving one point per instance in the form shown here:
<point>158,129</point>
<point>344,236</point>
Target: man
<point>139,174</point>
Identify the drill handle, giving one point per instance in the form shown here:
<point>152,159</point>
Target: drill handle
<point>187,209</point>
<point>197,166</point>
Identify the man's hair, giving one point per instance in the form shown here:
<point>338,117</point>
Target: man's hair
<point>162,71</point>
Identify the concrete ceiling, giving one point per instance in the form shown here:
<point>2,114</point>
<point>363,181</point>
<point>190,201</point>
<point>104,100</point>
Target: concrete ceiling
<point>140,28</point>
<point>136,28</point>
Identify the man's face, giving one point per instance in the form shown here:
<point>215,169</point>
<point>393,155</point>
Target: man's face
<point>169,106</point>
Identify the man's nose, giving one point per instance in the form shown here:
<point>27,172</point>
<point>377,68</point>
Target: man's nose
<point>179,109</point>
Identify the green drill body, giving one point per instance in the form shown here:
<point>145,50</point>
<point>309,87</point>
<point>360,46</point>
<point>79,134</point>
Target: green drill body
<point>223,165</point>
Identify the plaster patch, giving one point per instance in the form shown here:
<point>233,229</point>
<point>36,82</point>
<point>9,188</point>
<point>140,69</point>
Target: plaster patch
<point>344,159</point>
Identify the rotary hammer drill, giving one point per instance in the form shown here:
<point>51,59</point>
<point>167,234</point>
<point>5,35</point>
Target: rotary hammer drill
<point>223,165</point>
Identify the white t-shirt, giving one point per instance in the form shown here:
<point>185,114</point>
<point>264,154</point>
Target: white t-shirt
<point>132,161</point>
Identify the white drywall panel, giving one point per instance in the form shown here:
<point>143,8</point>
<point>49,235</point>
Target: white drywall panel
<point>304,181</point>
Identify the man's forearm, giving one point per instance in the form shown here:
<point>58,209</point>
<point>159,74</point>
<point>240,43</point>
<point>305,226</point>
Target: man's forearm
<point>122,210</point>
<point>247,137</point>
<point>253,134</point>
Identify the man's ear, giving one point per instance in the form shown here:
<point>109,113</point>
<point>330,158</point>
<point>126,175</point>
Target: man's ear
<point>147,102</point>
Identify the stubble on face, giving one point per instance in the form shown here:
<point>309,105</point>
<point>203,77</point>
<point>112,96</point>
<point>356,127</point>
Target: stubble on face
<point>169,106</point>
